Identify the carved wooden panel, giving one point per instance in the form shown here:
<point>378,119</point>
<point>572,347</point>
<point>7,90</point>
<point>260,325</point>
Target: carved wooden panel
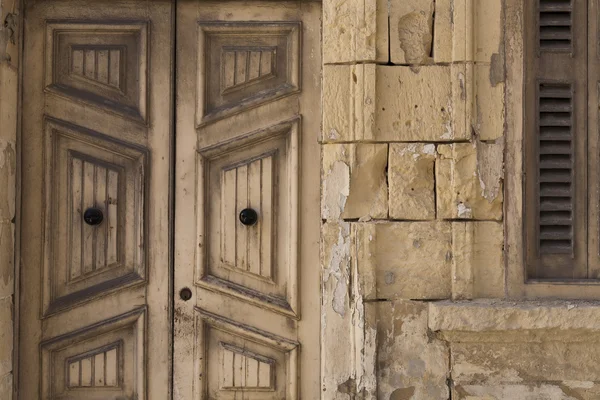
<point>248,185</point>
<point>241,368</point>
<point>242,362</point>
<point>245,64</point>
<point>102,361</point>
<point>98,368</point>
<point>85,169</point>
<point>101,64</point>
<point>253,262</point>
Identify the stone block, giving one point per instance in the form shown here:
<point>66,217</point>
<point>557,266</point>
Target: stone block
<point>355,184</point>
<point>576,318</point>
<point>468,30</point>
<point>7,274</point>
<point>444,31</point>
<point>566,390</point>
<point>403,260</point>
<point>488,115</point>
<point>355,30</point>
<point>395,104</point>
<point>500,363</point>
<point>487,26</point>
<point>411,31</point>
<point>453,40</point>
<point>424,104</point>
<point>6,335</point>
<point>468,181</point>
<point>477,260</point>
<point>349,102</point>
<point>411,363</point>
<point>411,181</point>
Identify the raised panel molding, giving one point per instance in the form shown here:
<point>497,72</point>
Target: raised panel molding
<point>244,65</point>
<point>241,368</point>
<point>258,263</point>
<point>97,368</point>
<point>86,169</point>
<point>239,361</point>
<point>100,64</point>
<point>100,361</point>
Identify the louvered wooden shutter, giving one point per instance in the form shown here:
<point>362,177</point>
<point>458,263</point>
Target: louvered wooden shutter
<point>556,139</point>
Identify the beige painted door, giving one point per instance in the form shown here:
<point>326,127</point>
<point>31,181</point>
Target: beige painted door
<point>94,295</point>
<point>247,201</point>
<point>96,264</point>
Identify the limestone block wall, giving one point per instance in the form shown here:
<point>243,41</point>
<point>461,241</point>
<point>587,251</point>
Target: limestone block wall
<point>8,173</point>
<point>416,303</point>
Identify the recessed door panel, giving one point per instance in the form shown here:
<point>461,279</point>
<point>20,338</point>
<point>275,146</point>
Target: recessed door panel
<point>247,199</point>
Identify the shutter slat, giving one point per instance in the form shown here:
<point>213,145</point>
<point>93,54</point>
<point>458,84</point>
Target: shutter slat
<point>555,204</point>
<point>555,175</point>
<point>555,133</point>
<point>556,233</point>
<point>552,218</point>
<point>555,190</point>
<point>555,168</point>
<point>555,25</point>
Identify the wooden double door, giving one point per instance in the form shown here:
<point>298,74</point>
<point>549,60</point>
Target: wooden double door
<point>170,201</point>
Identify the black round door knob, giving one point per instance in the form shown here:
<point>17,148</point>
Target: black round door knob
<point>248,216</point>
<point>185,294</point>
<point>93,216</point>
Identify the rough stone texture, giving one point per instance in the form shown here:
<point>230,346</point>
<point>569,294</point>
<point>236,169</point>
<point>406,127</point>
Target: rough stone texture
<point>348,332</point>
<point>6,336</point>
<point>355,30</point>
<point>404,260</point>
<point>412,365</point>
<point>424,104</point>
<point>468,181</point>
<point>349,102</point>
<point>477,260</point>
<point>487,29</point>
<point>411,181</point>
<point>498,315</point>
<point>355,185</point>
<point>444,31</point>
<point>467,30</point>
<point>501,363</point>
<point>411,31</point>
<point>384,103</point>
<point>565,390</point>
<point>488,115</point>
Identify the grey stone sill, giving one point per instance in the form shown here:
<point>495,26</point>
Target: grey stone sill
<point>481,316</point>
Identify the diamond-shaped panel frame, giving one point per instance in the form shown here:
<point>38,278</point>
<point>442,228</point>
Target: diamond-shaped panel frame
<point>86,169</point>
<point>218,224</point>
<point>245,64</point>
<point>121,337</point>
<point>99,64</point>
<point>217,372</point>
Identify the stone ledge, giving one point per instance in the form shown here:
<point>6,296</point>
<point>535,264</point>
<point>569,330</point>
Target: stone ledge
<point>483,316</point>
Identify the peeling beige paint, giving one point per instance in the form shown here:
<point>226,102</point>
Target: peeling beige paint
<point>337,269</point>
<point>336,189</point>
